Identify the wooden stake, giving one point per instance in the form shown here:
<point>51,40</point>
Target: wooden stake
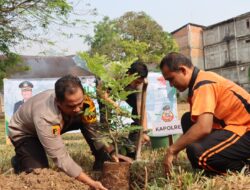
<point>143,108</point>
<point>170,140</point>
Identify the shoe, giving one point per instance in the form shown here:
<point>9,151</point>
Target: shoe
<point>14,164</point>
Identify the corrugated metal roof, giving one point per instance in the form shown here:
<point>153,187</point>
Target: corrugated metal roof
<point>51,67</point>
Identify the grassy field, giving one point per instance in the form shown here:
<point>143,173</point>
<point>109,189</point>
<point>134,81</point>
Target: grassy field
<point>6,151</point>
<point>148,172</point>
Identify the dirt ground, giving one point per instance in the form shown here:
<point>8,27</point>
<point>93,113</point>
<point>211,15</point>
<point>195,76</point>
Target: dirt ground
<point>48,179</point>
<point>40,179</point>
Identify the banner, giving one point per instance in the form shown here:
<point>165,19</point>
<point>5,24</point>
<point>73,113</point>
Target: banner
<point>161,104</point>
<point>17,91</point>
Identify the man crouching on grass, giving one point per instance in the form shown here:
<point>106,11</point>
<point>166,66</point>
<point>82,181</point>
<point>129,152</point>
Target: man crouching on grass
<point>217,128</point>
<point>35,130</point>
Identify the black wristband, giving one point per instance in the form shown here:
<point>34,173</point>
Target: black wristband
<point>145,132</point>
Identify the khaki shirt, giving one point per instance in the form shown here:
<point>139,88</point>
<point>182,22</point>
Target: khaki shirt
<point>40,117</point>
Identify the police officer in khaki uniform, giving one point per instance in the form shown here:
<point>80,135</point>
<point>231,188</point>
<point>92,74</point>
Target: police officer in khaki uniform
<point>26,92</point>
<point>35,129</point>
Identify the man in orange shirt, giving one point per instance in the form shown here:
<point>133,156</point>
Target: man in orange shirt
<point>216,130</point>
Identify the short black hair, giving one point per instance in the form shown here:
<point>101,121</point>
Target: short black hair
<point>139,68</point>
<point>173,60</point>
<point>67,84</point>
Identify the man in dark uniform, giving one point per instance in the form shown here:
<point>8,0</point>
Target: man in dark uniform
<point>134,101</point>
<point>26,91</point>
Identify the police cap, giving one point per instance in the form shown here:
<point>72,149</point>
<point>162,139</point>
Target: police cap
<point>26,85</point>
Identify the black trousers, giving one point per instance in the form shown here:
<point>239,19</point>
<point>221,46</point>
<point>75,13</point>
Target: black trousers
<point>30,153</point>
<point>218,152</point>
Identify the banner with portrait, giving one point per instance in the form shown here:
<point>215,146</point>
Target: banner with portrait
<point>17,91</point>
<point>161,102</point>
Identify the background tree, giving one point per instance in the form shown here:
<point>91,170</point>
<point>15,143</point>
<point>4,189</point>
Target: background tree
<point>132,35</point>
<point>19,16</point>
<point>30,20</point>
<point>105,38</point>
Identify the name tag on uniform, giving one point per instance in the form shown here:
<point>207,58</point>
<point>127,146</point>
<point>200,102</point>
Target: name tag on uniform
<point>56,130</point>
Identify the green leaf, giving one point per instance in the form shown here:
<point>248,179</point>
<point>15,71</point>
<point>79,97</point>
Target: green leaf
<point>125,38</point>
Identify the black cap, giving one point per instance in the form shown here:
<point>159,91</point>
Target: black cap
<point>166,107</point>
<point>25,85</point>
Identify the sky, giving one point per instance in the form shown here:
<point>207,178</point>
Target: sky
<point>169,14</point>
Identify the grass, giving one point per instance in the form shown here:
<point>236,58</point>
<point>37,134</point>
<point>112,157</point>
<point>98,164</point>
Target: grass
<point>148,172</point>
<point>6,151</point>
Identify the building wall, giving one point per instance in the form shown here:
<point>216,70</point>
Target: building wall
<point>236,74</point>
<point>228,42</point>
<point>196,43</point>
<point>196,40</point>
<point>244,49</point>
<point>243,26</point>
<point>181,38</point>
<point>190,42</point>
<point>220,54</point>
<point>227,45</point>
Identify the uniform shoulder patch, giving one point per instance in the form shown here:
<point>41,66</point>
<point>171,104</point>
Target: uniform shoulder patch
<point>56,130</point>
<point>89,114</point>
